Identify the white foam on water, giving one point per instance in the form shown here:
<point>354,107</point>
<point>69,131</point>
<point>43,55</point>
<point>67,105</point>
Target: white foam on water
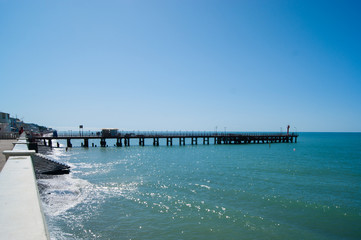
<point>70,200</point>
<point>63,192</point>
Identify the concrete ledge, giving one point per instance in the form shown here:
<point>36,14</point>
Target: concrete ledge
<point>21,214</point>
<point>9,153</point>
<point>14,143</point>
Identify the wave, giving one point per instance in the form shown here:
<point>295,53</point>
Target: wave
<point>61,193</point>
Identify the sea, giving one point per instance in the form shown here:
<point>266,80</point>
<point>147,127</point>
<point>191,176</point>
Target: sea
<point>305,190</point>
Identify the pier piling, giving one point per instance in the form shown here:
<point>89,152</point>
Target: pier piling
<point>68,143</point>
<point>119,142</point>
<point>141,141</point>
<point>86,142</point>
<point>169,141</point>
<point>103,143</point>
<point>156,141</point>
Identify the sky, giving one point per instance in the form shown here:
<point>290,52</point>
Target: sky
<point>256,65</point>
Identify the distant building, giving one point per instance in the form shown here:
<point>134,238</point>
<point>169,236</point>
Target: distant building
<point>15,124</point>
<point>110,132</point>
<point>5,123</point>
<point>4,117</point>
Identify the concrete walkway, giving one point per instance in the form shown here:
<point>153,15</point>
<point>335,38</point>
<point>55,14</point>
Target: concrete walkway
<point>5,145</point>
<point>21,215</point>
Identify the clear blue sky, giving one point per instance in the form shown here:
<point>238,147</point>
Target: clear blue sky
<point>182,64</point>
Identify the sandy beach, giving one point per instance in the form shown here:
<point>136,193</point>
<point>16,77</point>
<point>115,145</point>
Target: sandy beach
<point>5,145</point>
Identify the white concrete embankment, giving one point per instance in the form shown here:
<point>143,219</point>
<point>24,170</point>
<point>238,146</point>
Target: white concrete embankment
<point>21,215</point>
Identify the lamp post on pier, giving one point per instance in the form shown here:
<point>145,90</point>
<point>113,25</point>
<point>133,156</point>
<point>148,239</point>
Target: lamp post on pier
<point>82,129</point>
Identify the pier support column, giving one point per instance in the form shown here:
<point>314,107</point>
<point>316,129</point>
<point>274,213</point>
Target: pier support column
<point>141,141</point>
<point>86,142</point>
<point>44,142</point>
<point>155,141</point>
<point>50,143</point>
<point>182,141</point>
<point>68,143</point>
<point>127,142</point>
<point>169,141</point>
<point>205,140</point>
<point>103,143</point>
<point>194,140</point>
<point>119,142</point>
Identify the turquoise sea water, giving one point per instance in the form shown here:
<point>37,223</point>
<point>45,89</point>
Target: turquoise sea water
<point>305,190</point>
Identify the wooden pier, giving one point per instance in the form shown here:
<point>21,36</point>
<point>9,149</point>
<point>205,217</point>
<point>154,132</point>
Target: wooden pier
<point>123,139</point>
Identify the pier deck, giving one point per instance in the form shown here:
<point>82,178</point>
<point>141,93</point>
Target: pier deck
<point>123,139</point>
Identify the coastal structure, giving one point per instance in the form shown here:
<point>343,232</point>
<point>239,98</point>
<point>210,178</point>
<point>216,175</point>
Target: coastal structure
<point>123,139</point>
<point>21,212</point>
